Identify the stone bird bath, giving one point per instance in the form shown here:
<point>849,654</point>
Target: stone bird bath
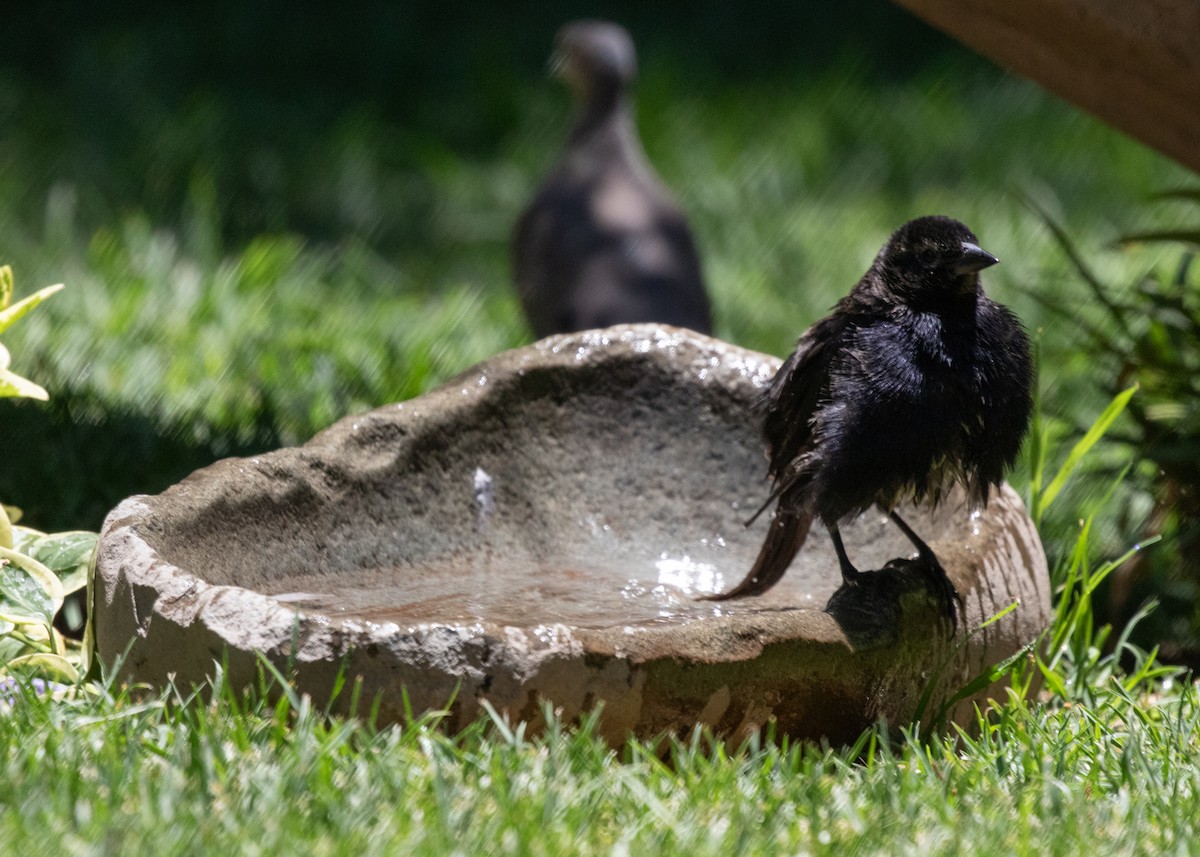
<point>539,528</point>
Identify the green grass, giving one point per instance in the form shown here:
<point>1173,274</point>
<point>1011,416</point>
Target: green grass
<point>118,776</point>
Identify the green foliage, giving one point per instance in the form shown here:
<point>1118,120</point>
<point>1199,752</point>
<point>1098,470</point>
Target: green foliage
<point>1040,498</point>
<point>1075,661</point>
<point>37,571</point>
<point>1148,333</point>
<point>193,335</point>
<point>12,384</point>
<point>67,554</point>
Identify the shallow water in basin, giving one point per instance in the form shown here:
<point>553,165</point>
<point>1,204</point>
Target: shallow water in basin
<point>596,590</point>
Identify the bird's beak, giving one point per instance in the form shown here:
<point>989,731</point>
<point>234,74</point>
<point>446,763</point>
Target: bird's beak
<point>973,259</point>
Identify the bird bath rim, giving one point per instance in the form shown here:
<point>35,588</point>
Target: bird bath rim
<point>617,393</point>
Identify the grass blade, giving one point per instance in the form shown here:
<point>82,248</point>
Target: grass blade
<point>1184,236</point>
<point>1076,259</point>
<point>1115,408</point>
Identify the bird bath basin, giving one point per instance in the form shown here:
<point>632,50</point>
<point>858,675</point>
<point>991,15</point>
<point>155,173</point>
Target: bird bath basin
<point>540,528</point>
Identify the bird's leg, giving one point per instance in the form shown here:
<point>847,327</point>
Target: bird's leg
<point>850,574</point>
<point>923,550</point>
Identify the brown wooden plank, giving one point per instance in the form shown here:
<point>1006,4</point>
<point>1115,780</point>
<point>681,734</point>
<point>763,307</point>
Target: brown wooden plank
<point>1133,63</point>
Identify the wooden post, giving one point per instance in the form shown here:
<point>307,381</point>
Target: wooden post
<point>1133,63</point>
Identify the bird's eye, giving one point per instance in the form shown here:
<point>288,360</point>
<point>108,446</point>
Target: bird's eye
<point>927,258</point>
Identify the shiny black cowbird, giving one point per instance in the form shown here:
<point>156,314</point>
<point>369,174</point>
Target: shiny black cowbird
<point>916,381</point>
<point>602,242</point>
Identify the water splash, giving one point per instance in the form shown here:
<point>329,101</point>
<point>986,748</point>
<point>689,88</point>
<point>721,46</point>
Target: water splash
<point>485,498</point>
<point>688,576</point>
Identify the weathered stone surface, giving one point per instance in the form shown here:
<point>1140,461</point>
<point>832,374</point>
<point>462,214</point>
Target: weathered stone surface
<point>539,528</point>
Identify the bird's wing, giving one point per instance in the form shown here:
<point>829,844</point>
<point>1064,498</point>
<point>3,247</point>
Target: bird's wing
<point>528,238</point>
<point>790,401</point>
<point>550,238</point>
<point>1004,376</point>
<point>689,298</point>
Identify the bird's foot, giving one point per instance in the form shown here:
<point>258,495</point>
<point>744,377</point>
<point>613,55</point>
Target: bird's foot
<point>872,606</point>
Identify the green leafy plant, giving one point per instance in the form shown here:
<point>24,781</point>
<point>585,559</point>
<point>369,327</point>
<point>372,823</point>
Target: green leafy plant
<point>37,571</point>
<point>1148,333</point>
<point>1075,661</point>
<point>12,384</point>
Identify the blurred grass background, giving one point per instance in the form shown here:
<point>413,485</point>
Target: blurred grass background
<point>272,215</point>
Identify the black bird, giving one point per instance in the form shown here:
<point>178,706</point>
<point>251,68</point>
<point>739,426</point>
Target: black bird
<point>602,241</point>
<point>916,381</point>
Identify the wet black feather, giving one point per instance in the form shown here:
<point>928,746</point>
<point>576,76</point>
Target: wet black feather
<point>915,382</point>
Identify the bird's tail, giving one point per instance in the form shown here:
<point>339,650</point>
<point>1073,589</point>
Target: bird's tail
<point>794,475</point>
<point>779,489</point>
<point>789,529</point>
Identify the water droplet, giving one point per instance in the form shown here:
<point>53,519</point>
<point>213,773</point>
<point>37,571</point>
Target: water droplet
<point>631,590</point>
<point>485,497</point>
